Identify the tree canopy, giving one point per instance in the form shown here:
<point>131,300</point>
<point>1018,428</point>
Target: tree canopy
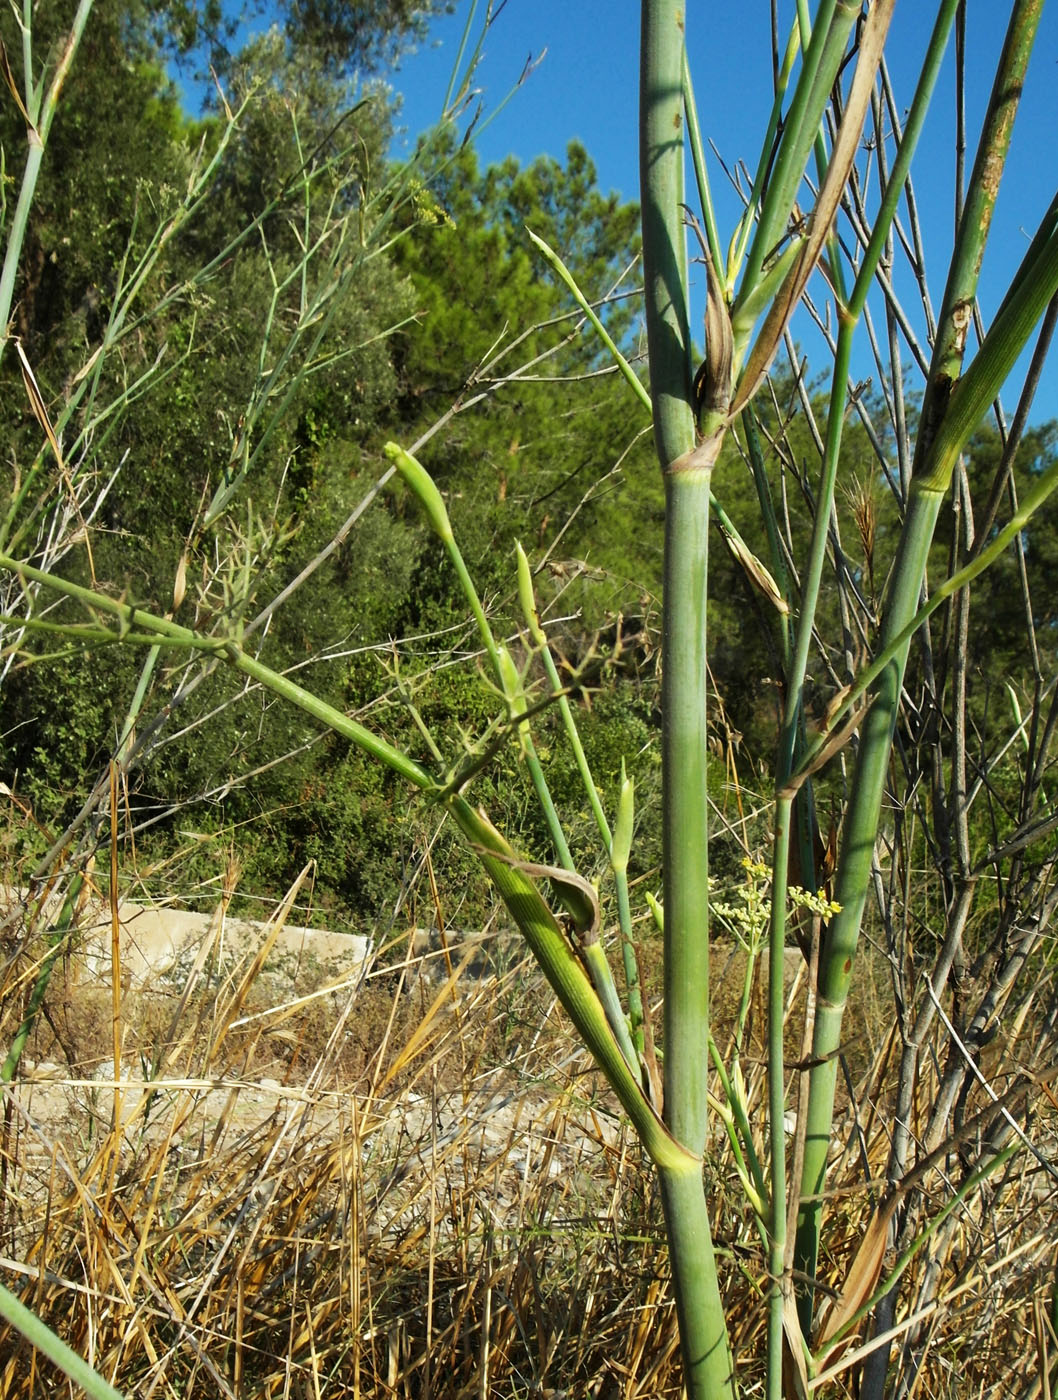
<point>431,303</point>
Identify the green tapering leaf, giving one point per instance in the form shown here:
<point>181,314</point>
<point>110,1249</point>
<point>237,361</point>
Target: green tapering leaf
<point>512,681</point>
<point>658,910</point>
<point>527,598</point>
<point>753,300</point>
<point>621,844</point>
<point>593,316</point>
<point>422,484</point>
<point>514,692</point>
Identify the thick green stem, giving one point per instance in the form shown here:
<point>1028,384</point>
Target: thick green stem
<point>664,246</point>
<point>684,745</point>
<point>708,1371</point>
<point>686,825</point>
<point>776,1094</point>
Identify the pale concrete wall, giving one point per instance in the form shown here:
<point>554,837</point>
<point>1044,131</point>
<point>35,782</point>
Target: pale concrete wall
<point>160,942</point>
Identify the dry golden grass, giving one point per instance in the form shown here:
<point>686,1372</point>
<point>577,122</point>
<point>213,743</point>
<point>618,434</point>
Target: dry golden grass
<point>420,1193</point>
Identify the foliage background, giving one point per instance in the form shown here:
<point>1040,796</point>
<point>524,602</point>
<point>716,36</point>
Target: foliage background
<point>552,452</point>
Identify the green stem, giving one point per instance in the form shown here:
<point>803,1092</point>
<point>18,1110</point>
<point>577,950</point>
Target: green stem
<point>567,975</point>
<point>44,1339</point>
<point>685,786</point>
<point>425,488</point>
<point>701,172</point>
<point>947,419</point>
<point>777,1095</point>
<point>1028,505</point>
<point>954,320</point>
<point>546,940</point>
<point>727,526</point>
<point>327,715</point>
<point>853,877</point>
<point>664,246</point>
<point>626,370</point>
<point>19,224</point>
<point>746,224</point>
<point>618,862</point>
<point>823,58</point>
<point>740,1136</point>
<point>636,1016</point>
<point>620,872</point>
<point>160,630</point>
<point>136,705</point>
<point>708,1370</point>
<point>952,1204</point>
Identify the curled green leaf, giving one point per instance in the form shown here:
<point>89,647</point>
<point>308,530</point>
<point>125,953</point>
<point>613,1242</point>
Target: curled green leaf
<point>512,681</point>
<point>657,910</point>
<point>422,484</point>
<point>621,844</point>
<point>526,597</point>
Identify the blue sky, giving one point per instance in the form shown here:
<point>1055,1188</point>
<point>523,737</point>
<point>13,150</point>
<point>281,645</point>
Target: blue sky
<point>584,87</point>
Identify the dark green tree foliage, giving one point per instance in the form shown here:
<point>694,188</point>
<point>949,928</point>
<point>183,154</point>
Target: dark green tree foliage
<point>520,460</point>
<point>355,37</point>
<point>115,171</point>
<point>460,313</point>
<point>519,465</point>
<point>109,166</point>
<point>513,468</point>
<point>360,36</point>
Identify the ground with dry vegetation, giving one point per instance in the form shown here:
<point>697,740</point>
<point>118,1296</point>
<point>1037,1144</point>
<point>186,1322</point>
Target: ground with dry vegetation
<point>412,1187</point>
